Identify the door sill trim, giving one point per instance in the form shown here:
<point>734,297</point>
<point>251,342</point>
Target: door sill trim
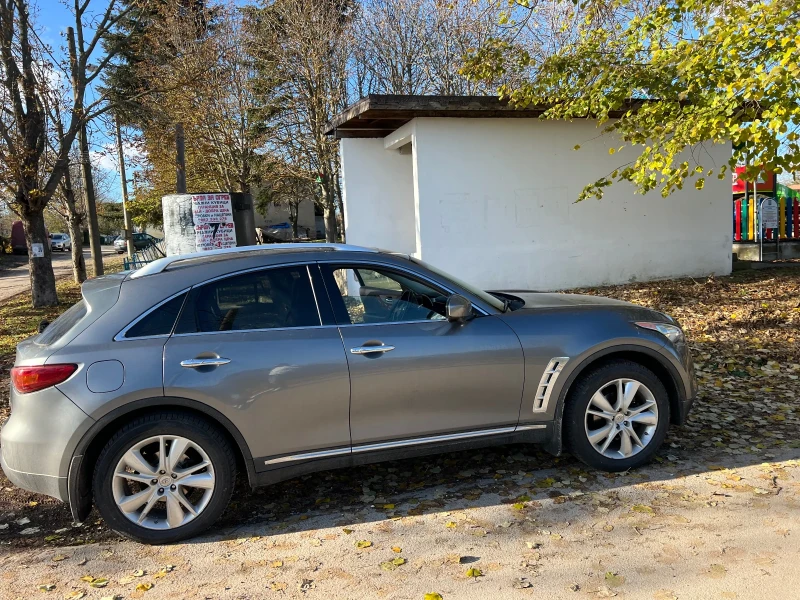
<point>432,439</point>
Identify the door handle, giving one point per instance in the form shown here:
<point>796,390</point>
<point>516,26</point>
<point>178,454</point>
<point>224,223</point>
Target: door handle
<point>194,363</point>
<point>370,349</point>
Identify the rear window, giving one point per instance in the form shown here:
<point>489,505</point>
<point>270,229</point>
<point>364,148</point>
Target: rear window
<point>158,322</point>
<point>56,330</point>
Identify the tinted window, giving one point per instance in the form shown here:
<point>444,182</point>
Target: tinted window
<point>158,322</point>
<point>378,296</point>
<point>62,324</point>
<point>260,300</point>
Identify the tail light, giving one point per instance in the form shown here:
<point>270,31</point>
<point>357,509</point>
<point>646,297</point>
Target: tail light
<point>33,379</point>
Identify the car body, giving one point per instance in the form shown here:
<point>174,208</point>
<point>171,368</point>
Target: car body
<point>61,242</point>
<point>140,242</point>
<point>304,357</point>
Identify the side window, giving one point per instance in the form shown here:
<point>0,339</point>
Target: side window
<point>158,322</point>
<point>383,296</point>
<point>259,300</point>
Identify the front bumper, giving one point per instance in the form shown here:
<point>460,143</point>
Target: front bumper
<point>38,440</point>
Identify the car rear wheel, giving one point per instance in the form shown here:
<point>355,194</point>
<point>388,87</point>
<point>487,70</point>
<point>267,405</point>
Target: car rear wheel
<point>616,416</point>
<point>164,477</point>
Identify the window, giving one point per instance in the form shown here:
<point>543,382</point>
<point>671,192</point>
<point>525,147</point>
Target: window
<point>382,296</point>
<point>259,300</point>
<point>158,322</point>
<point>58,328</point>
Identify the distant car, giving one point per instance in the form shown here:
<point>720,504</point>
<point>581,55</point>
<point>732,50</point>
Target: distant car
<point>140,242</point>
<point>18,243</point>
<point>288,359</point>
<point>60,241</point>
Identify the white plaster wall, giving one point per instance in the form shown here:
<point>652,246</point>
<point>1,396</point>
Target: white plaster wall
<point>378,196</point>
<point>496,207</point>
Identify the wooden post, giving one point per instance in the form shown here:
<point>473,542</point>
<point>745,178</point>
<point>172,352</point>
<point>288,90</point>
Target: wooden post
<point>126,219</point>
<point>91,204</point>
<point>180,159</point>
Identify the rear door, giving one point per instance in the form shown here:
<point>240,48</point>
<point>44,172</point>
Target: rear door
<point>426,377</point>
<point>253,345</point>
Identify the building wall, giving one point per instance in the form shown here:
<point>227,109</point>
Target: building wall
<point>280,214</point>
<point>495,202</point>
<point>378,196</point>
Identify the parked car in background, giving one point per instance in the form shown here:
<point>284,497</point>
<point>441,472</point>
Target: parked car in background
<point>288,359</point>
<point>18,243</point>
<point>140,242</point>
<point>60,241</point>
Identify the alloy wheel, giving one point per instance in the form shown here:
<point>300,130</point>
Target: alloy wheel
<point>163,482</point>
<point>621,418</point>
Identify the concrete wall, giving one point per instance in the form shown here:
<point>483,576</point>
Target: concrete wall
<point>378,196</point>
<point>495,201</point>
<point>280,214</point>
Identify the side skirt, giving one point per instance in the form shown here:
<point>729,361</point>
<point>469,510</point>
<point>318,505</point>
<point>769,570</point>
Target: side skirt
<point>281,469</point>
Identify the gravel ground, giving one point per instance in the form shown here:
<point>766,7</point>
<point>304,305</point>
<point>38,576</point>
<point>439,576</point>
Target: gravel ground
<point>715,516</point>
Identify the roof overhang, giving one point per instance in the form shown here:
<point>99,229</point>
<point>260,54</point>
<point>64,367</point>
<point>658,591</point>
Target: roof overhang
<point>376,116</point>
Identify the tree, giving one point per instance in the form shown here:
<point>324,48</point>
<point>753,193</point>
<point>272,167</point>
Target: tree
<point>27,70</point>
<point>679,74</point>
<point>301,52</point>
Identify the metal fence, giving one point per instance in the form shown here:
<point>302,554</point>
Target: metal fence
<point>145,255</point>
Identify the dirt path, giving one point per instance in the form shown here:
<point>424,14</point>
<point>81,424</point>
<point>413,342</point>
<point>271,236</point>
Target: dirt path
<point>682,529</point>
<point>16,279</point>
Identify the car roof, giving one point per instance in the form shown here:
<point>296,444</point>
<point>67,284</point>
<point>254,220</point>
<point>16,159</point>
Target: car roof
<point>282,252</point>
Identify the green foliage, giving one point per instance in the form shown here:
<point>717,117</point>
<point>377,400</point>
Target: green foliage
<point>680,75</point>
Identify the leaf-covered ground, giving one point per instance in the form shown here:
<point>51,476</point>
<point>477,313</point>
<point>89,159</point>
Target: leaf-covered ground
<point>716,516</point>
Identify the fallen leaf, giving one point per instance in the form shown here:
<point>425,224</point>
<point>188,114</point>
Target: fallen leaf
<point>397,549</point>
<point>60,557</point>
<point>278,586</point>
<point>100,582</point>
<point>433,596</point>
<point>388,506</point>
<point>277,564</point>
<point>717,571</point>
<point>87,578</point>
<point>474,572</point>
<point>642,508</point>
<point>451,524</point>
<point>363,544</point>
<point>665,595</point>
<point>613,579</point>
<point>46,587</point>
<point>138,573</point>
<point>143,587</point>
<point>76,595</point>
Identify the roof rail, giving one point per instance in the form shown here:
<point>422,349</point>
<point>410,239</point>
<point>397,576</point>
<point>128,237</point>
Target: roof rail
<point>160,265</point>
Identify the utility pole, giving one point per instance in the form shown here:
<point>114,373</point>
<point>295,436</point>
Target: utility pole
<point>126,219</point>
<point>180,159</point>
<point>91,204</point>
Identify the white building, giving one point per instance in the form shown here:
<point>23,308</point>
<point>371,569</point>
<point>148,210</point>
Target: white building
<point>488,193</point>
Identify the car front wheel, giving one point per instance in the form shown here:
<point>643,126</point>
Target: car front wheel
<point>164,477</point>
<point>616,416</point>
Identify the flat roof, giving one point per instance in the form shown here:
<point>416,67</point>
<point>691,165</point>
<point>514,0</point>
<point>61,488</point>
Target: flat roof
<point>378,115</point>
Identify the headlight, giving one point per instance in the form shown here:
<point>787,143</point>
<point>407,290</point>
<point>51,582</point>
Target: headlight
<point>672,332</point>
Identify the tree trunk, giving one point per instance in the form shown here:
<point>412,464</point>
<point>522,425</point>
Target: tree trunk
<point>76,235</point>
<point>91,206</point>
<point>43,281</point>
<point>293,210</point>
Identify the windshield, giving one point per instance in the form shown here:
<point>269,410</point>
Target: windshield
<point>485,296</point>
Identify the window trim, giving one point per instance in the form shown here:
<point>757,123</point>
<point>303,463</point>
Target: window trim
<point>305,264</point>
<point>355,263</point>
<point>120,337</point>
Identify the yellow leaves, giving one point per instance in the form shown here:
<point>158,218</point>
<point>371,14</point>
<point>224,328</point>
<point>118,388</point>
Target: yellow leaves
<point>144,586</point>
<point>700,184</point>
<point>612,150</point>
<point>46,587</point>
<point>642,508</point>
<point>60,557</point>
<point>474,572</point>
<point>576,147</point>
<point>518,506</point>
<point>75,595</point>
<point>433,596</point>
<point>397,549</point>
<point>388,506</point>
<point>277,564</point>
<point>391,565</point>
<point>278,586</point>
<point>361,544</point>
<point>347,531</point>
<point>613,579</point>
<point>138,573</point>
<point>451,524</point>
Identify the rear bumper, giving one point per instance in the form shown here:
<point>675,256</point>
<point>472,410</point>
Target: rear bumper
<point>38,440</point>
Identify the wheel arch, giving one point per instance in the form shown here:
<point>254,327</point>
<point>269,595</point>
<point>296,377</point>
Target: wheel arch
<point>79,484</point>
<point>647,357</point>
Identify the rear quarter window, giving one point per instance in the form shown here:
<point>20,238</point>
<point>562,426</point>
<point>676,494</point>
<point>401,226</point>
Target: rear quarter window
<point>159,321</point>
<point>58,328</point>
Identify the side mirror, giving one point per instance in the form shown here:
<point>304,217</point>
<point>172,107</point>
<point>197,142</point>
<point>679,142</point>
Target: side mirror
<point>458,308</point>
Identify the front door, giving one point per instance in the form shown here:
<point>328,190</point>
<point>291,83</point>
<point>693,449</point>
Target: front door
<point>412,372</point>
<point>252,346</point>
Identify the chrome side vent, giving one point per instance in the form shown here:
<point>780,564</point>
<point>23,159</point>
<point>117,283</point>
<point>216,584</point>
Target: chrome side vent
<point>549,377</point>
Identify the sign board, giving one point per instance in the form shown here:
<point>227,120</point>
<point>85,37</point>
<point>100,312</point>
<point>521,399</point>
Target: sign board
<point>37,250</point>
<point>213,221</point>
<point>765,182</point>
<point>769,213</point>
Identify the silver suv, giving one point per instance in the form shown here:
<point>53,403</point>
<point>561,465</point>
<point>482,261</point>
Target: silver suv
<point>150,394</point>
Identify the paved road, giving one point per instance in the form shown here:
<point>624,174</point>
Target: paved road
<point>16,280</point>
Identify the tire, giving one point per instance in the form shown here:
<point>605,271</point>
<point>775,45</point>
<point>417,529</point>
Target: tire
<point>651,397</point>
<point>206,443</point>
